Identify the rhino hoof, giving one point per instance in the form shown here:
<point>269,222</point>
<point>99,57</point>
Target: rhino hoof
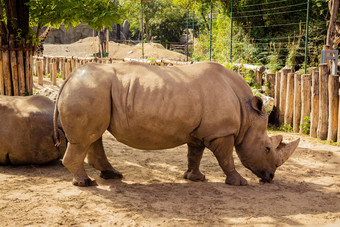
<point>85,183</point>
<point>236,180</point>
<point>194,175</point>
<point>109,174</point>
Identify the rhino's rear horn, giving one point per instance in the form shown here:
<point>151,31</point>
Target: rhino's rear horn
<point>276,140</point>
<point>284,151</point>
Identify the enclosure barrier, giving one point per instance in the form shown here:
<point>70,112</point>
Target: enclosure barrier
<point>308,102</point>
<point>61,66</point>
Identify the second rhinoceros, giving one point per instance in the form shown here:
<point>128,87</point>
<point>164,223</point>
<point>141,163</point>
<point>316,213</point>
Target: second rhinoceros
<point>203,105</point>
<point>26,131</point>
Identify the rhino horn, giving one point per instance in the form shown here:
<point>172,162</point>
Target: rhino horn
<point>276,140</point>
<point>284,151</point>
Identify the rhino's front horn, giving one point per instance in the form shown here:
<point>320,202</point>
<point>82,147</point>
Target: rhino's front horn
<point>284,151</point>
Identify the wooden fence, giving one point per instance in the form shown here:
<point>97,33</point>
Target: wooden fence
<point>308,102</point>
<point>54,65</point>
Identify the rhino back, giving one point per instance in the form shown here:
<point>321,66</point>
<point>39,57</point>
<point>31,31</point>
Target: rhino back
<point>26,132</point>
<point>163,107</point>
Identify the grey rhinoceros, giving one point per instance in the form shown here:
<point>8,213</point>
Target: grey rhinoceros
<point>26,131</point>
<point>151,107</point>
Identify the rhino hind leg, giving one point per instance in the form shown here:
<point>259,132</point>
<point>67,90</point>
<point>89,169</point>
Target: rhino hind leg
<point>96,158</point>
<point>74,161</point>
<point>194,159</point>
<point>223,150</point>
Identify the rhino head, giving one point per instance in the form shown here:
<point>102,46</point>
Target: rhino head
<point>258,152</point>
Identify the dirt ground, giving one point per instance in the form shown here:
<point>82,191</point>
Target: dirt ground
<point>86,47</point>
<point>305,191</point>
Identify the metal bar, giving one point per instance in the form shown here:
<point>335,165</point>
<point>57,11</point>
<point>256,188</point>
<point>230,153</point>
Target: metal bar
<point>193,31</point>
<point>306,44</point>
<point>142,35</point>
<point>187,35</point>
<point>231,31</point>
<point>210,30</point>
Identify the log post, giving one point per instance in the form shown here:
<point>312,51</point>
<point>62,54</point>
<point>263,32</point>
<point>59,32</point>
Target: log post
<point>44,65</point>
<point>297,103</point>
<point>276,109</point>
<point>288,117</point>
<point>338,138</point>
<point>2,79</point>
<point>323,102</point>
<point>14,66</point>
<point>333,97</point>
<point>6,71</point>
<point>21,73</point>
<point>54,71</point>
<point>63,67</point>
<point>67,69</point>
<point>283,94</point>
<point>314,117</point>
<point>270,84</point>
<point>306,100</point>
<point>28,72</point>
<point>40,72</point>
<point>29,55</point>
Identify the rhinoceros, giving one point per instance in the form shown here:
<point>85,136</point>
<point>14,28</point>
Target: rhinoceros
<point>26,131</point>
<point>203,105</point>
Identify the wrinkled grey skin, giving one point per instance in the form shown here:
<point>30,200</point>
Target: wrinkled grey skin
<point>203,105</point>
<point>26,132</point>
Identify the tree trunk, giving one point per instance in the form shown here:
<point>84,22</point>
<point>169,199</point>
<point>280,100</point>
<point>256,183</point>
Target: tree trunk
<point>331,33</point>
<point>15,51</point>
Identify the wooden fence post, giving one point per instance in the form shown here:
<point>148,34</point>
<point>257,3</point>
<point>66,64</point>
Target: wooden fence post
<point>270,83</point>
<point>2,79</point>
<point>288,117</point>
<point>40,72</point>
<point>44,65</point>
<point>277,98</point>
<point>14,66</point>
<point>297,103</point>
<point>323,102</point>
<point>54,71</point>
<point>6,71</point>
<point>306,100</point>
<point>283,94</point>
<point>314,116</point>
<point>333,95</point>
<point>67,69</point>
<point>21,72</point>
<point>63,67</point>
<point>338,138</point>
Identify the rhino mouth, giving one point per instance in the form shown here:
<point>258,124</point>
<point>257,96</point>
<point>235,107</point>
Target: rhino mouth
<point>266,177</point>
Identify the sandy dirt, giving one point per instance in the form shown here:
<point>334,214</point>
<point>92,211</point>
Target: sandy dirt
<point>305,191</point>
<point>86,47</point>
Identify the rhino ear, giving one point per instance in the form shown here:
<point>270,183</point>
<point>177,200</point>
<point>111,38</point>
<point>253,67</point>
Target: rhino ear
<point>257,104</point>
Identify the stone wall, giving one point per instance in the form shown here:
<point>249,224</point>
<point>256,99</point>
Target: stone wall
<point>70,35</point>
<point>73,34</point>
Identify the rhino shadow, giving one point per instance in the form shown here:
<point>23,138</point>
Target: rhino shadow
<point>218,203</point>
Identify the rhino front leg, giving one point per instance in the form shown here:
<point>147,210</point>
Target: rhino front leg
<point>223,151</point>
<point>194,159</point>
<point>74,162</point>
<point>96,158</point>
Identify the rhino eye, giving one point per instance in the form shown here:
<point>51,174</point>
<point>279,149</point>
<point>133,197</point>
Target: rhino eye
<point>267,149</point>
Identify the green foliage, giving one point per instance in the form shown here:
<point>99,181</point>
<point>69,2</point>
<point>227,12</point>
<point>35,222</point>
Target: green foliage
<point>286,128</point>
<point>96,13</point>
<point>59,76</point>
<point>306,125</point>
<point>161,18</point>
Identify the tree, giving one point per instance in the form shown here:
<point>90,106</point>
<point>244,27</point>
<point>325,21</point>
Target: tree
<point>17,39</point>
<point>331,33</point>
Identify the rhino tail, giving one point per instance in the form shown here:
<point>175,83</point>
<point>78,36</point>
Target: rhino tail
<point>57,139</point>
